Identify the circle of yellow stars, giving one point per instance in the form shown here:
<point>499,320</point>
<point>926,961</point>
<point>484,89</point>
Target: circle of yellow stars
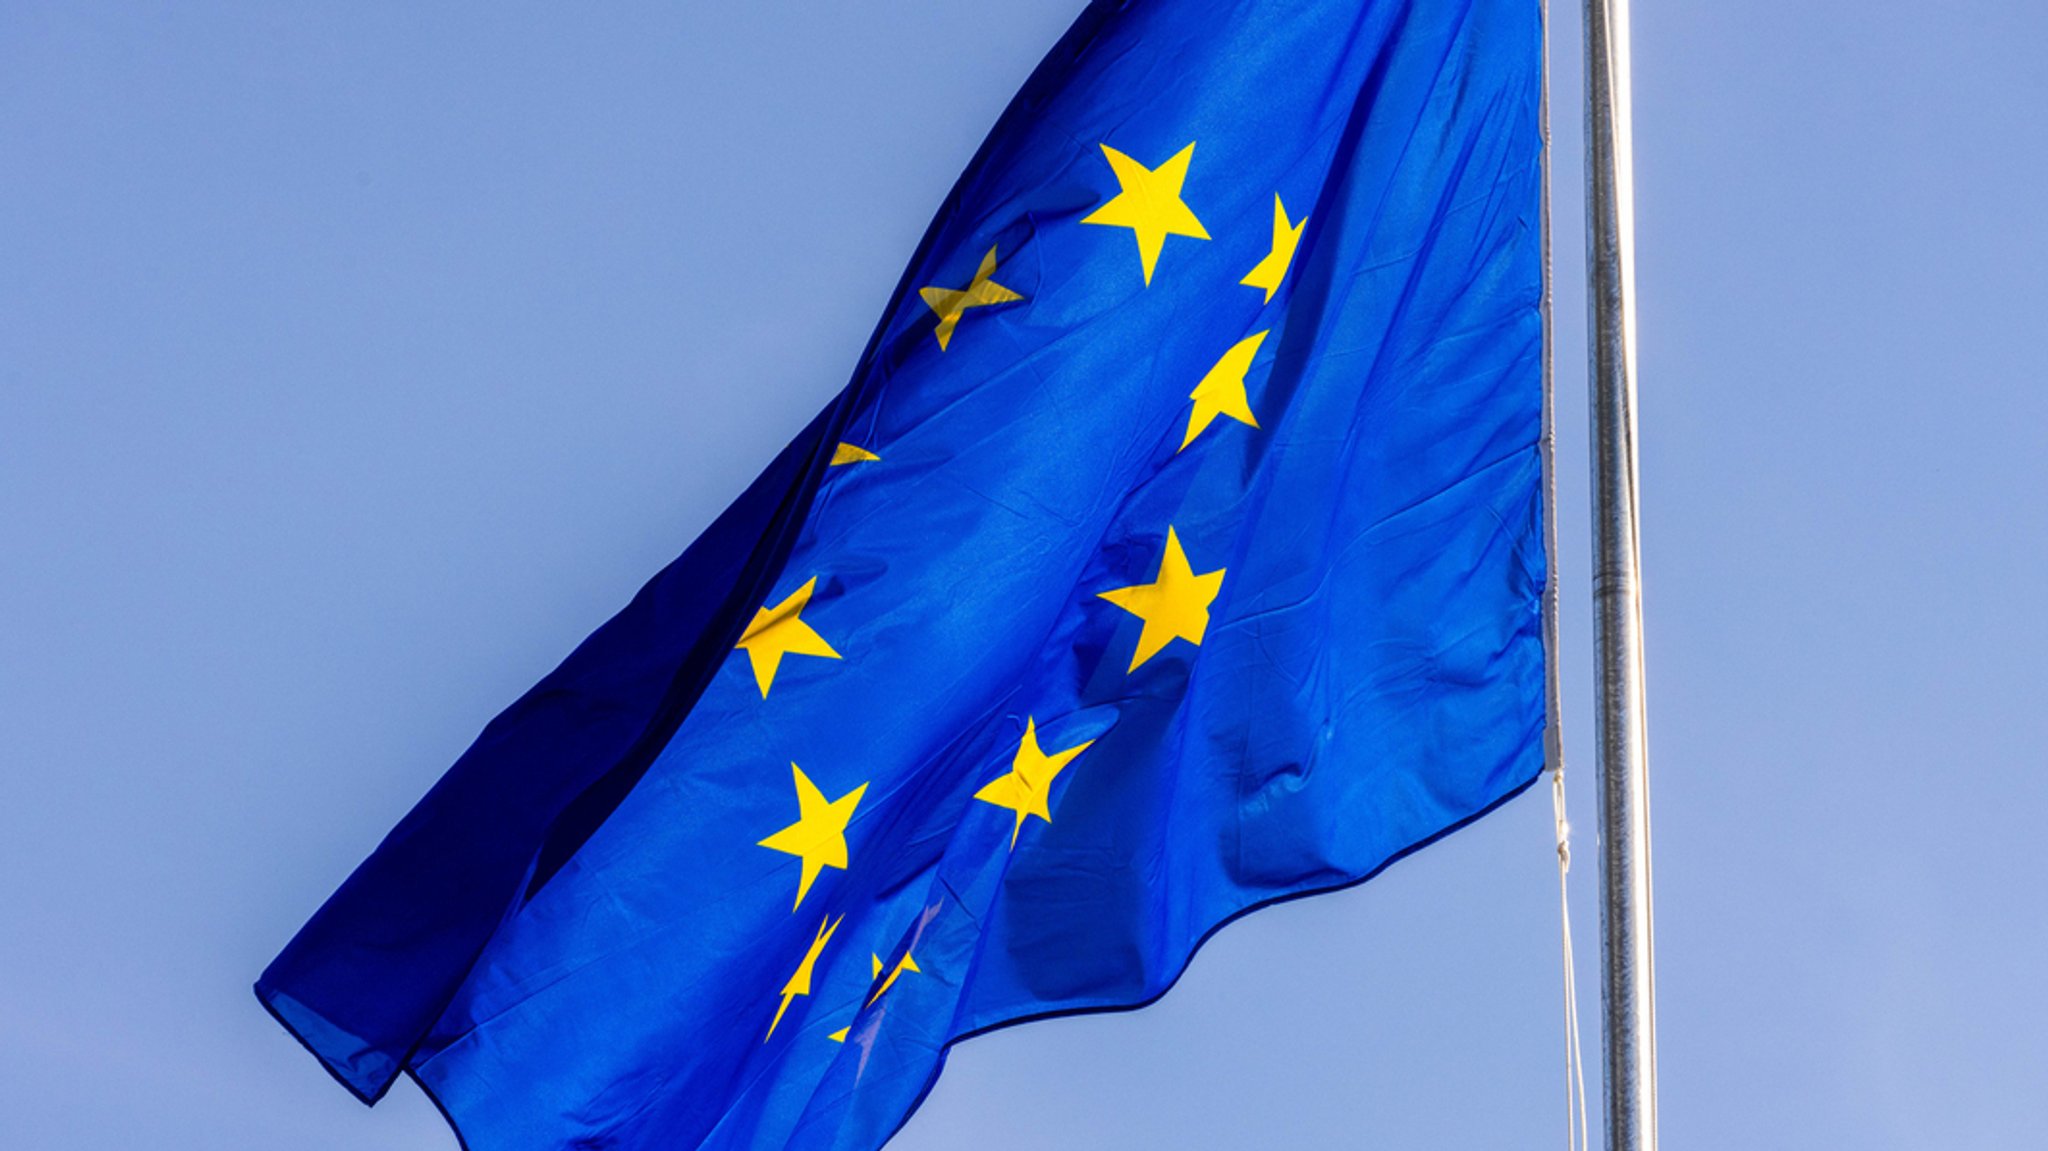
<point>1174,606</point>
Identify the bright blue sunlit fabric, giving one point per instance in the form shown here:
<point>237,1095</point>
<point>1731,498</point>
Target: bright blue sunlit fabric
<point>1176,548</point>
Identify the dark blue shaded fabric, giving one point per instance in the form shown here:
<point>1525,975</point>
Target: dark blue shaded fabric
<point>602,951</point>
<point>373,969</point>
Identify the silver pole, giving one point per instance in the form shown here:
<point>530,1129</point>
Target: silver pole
<point>1628,987</point>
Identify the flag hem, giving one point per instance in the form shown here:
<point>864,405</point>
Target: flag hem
<point>267,996</point>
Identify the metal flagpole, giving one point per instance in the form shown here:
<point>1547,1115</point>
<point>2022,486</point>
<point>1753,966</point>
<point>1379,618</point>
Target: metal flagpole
<point>1628,986</point>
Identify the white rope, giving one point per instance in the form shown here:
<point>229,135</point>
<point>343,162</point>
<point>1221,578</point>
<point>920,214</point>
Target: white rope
<point>1575,1122</point>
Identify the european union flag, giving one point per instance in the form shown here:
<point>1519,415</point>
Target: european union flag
<point>1176,548</point>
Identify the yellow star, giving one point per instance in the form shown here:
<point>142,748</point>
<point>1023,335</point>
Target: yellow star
<point>818,837</point>
<point>952,303</point>
<point>1028,786</point>
<point>778,631</point>
<point>1149,204</point>
<point>850,454</point>
<point>1273,269</point>
<point>1173,606</point>
<point>800,983</point>
<point>1221,392</point>
<point>902,965</point>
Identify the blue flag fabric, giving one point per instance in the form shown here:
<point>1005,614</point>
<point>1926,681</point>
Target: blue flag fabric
<point>1177,547</point>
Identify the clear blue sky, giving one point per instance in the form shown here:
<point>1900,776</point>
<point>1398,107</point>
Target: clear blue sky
<point>356,362</point>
